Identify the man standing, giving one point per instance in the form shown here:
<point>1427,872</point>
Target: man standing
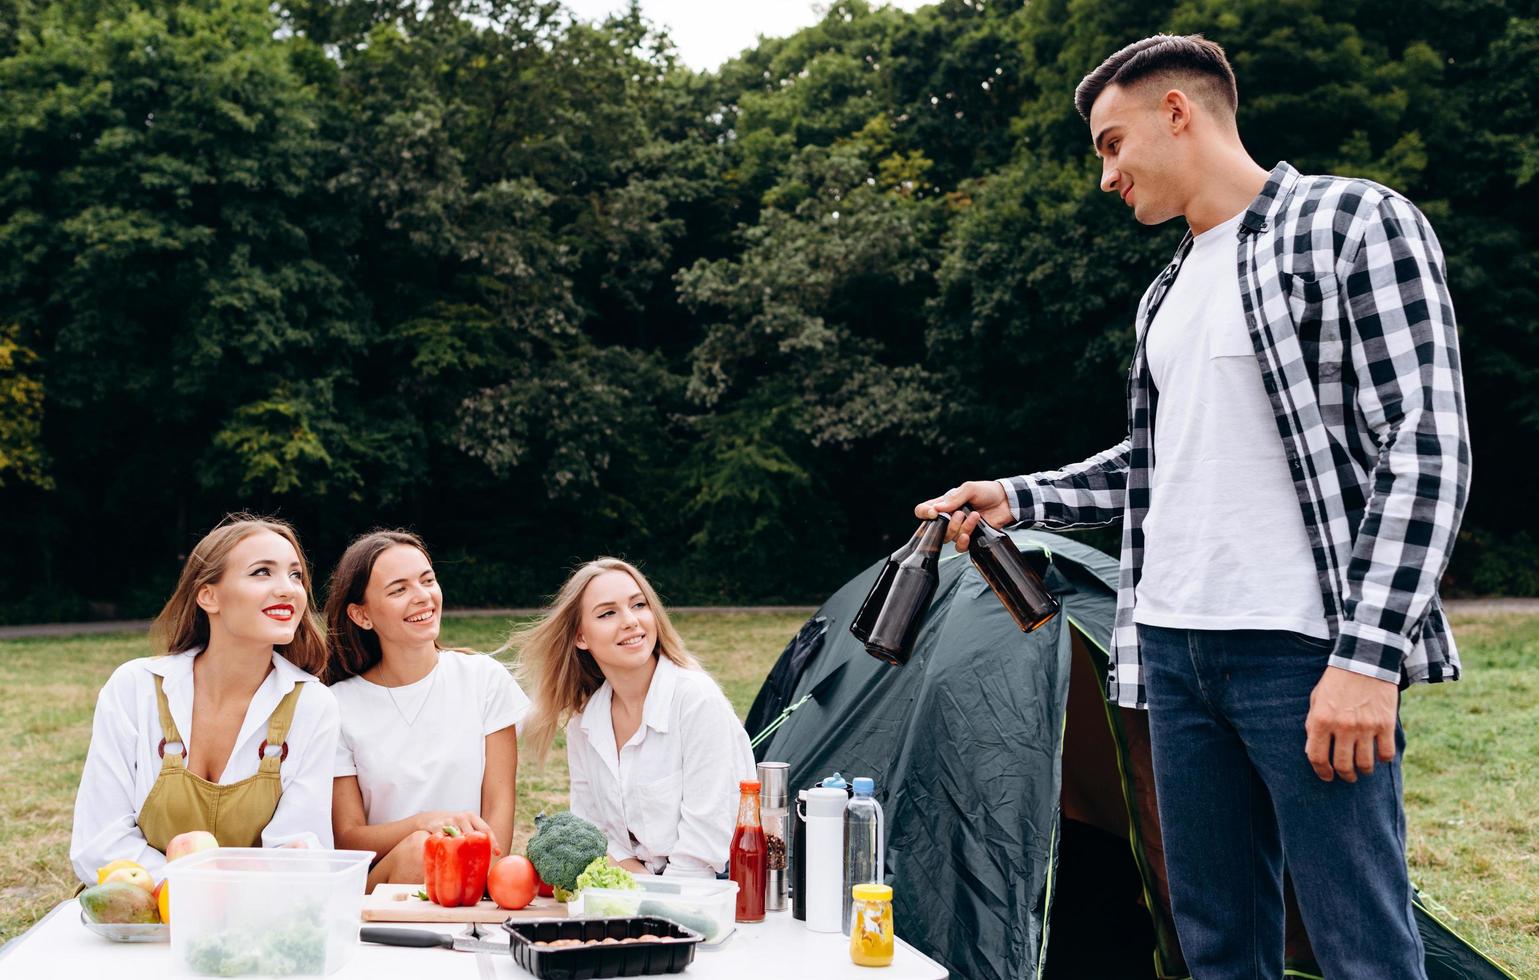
<point>1295,470</point>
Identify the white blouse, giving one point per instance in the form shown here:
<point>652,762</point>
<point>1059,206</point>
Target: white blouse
<point>422,746</point>
<point>122,762</point>
<point>669,796</point>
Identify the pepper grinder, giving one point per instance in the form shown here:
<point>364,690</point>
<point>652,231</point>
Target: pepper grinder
<point>774,777</point>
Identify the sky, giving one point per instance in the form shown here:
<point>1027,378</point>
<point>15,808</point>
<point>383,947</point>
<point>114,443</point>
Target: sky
<point>709,32</point>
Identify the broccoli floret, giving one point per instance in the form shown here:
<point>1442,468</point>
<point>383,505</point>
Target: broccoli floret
<point>206,955</point>
<point>225,955</point>
<point>562,846</point>
<point>296,946</point>
<point>242,963</point>
<point>601,874</point>
<point>299,948</point>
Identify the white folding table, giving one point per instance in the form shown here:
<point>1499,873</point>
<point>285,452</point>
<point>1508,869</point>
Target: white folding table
<point>59,947</point>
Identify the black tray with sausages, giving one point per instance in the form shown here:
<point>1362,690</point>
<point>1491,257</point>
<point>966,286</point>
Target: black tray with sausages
<point>672,949</point>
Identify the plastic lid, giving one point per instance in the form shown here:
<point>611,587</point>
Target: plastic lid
<point>872,893</point>
<point>749,786</point>
<point>826,801</point>
<point>836,781</point>
<point>864,786</point>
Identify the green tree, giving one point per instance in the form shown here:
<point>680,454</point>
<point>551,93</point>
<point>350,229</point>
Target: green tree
<point>487,269</point>
<point>169,250</point>
<point>21,414</point>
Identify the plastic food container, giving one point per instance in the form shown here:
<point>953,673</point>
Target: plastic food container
<point>247,911</point>
<point>705,905</point>
<point>670,954</point>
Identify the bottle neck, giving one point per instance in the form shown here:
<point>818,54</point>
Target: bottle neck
<point>931,537</point>
<point>748,810</point>
<point>911,544</point>
<point>983,531</point>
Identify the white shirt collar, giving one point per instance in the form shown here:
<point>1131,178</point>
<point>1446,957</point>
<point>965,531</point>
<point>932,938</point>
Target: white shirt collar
<point>596,712</point>
<point>658,707</point>
<point>176,668</point>
<point>656,712</point>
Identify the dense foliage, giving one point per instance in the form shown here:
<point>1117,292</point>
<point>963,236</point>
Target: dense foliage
<point>532,287</point>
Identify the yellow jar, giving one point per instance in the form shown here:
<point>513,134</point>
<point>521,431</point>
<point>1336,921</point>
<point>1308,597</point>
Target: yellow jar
<point>871,925</point>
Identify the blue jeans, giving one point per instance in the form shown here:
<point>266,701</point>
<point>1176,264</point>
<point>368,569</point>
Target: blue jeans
<point>1238,801</point>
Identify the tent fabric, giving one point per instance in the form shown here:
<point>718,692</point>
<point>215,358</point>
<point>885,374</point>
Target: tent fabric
<point>963,743</point>
<point>1449,955</point>
<point>775,696</point>
<point>968,744</point>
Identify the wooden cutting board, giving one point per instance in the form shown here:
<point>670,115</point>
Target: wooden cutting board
<point>397,903</point>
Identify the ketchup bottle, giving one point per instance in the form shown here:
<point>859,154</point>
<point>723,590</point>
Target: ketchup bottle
<point>748,854</point>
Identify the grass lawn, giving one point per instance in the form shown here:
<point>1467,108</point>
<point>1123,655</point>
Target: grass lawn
<point>1471,770</point>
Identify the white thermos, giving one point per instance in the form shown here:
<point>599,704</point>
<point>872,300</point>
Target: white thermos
<point>825,857</point>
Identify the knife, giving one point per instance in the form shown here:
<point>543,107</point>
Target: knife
<point>429,938</point>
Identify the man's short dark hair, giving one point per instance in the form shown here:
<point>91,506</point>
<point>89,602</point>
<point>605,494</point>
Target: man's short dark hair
<point>1190,56</point>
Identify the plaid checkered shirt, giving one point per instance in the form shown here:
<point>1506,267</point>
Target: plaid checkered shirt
<point>1346,299</point>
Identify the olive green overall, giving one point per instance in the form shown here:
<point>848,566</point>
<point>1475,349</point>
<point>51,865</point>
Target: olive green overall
<point>235,814</point>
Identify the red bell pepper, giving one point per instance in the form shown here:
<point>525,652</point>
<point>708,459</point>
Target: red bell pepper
<point>456,865</point>
<point>541,888</point>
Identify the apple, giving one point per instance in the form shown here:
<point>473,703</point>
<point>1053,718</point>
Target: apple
<point>194,840</point>
<point>133,876</point>
<point>107,869</point>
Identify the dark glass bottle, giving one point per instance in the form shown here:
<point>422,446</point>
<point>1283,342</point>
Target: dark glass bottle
<point>913,586</point>
<point>866,618</point>
<point>1014,582</point>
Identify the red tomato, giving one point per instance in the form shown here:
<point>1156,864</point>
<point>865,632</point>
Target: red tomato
<point>544,890</point>
<point>512,882</point>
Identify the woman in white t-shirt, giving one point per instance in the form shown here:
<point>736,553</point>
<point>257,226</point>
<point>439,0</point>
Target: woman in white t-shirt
<point>429,735</point>
<point>654,749</point>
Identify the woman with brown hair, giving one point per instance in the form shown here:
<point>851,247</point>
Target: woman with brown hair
<point>429,735</point>
<point>229,731</point>
<point>654,749</point>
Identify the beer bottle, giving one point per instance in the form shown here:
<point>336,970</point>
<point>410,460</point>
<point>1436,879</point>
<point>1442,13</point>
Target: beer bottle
<point>866,618</point>
<point>913,586</point>
<point>1015,582</point>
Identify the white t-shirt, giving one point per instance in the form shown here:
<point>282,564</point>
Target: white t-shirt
<point>422,746</point>
<point>1224,540</point>
<point>123,760</point>
<point>669,796</point>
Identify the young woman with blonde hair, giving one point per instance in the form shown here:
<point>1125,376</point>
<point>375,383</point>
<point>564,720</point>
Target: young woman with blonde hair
<point>654,749</point>
<point>429,735</point>
<point>229,731</point>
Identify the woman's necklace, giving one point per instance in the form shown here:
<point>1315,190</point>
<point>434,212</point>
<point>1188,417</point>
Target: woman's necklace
<point>416,712</point>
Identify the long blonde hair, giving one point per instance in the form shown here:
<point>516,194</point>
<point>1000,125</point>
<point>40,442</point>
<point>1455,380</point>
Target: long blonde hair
<point>559,677</point>
<point>182,624</point>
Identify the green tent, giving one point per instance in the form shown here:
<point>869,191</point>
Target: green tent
<point>1022,835</point>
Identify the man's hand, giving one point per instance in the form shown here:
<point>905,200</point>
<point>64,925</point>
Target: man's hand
<point>1347,713</point>
<point>989,503</point>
